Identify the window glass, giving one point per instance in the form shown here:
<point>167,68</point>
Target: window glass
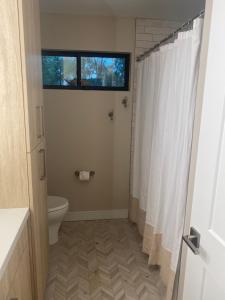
<point>59,70</point>
<point>102,71</point>
<point>85,70</point>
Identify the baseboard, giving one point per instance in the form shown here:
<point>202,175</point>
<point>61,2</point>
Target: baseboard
<point>97,215</point>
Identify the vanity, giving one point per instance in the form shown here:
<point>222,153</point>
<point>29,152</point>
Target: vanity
<point>15,255</point>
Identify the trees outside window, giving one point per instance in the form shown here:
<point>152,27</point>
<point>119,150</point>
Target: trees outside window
<point>84,70</point>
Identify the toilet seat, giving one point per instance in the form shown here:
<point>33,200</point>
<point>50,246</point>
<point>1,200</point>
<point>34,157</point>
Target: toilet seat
<point>56,203</point>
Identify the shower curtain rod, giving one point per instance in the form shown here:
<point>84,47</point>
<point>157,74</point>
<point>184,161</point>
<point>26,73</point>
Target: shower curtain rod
<point>170,36</point>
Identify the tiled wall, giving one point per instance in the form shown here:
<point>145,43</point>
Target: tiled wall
<point>149,32</point>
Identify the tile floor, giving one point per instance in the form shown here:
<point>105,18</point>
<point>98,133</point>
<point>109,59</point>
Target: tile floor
<point>100,260</point>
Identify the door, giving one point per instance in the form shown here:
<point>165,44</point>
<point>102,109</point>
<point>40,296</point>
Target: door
<point>38,206</point>
<point>204,274</point>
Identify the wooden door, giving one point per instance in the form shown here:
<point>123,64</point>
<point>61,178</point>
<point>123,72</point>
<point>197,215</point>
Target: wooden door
<point>29,20</point>
<point>205,270</point>
<point>39,221</point>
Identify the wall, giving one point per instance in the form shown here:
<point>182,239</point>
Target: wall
<point>149,32</point>
<point>79,132</point>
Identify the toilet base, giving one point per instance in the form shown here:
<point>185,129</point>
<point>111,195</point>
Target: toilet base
<point>53,231</point>
<point>57,209</point>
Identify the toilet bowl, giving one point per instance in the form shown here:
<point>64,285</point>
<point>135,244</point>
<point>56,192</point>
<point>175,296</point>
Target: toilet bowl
<point>57,209</point>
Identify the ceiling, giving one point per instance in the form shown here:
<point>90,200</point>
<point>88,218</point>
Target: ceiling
<point>177,10</point>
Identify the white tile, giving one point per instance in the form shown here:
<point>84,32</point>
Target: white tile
<point>144,37</point>
<point>158,30</point>
<point>171,24</point>
<point>144,44</point>
<point>139,51</point>
<point>159,37</point>
<point>140,29</point>
<point>140,22</point>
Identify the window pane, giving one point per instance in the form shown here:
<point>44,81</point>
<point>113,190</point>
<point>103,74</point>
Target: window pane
<point>59,70</point>
<point>103,71</point>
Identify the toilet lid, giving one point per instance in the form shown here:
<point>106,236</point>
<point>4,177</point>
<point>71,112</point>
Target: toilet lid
<point>56,203</point>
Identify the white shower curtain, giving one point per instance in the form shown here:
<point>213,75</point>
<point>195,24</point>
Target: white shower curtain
<point>166,92</point>
<point>144,127</point>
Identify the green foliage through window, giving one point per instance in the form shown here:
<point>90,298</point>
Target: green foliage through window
<point>102,71</point>
<point>59,70</point>
<point>85,70</point>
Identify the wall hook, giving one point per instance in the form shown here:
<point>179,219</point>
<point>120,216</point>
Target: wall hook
<point>125,102</point>
<point>111,115</point>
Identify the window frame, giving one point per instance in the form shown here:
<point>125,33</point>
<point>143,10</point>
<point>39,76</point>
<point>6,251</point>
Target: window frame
<point>78,55</point>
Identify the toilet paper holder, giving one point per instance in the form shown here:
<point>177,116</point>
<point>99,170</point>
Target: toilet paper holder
<point>77,173</point>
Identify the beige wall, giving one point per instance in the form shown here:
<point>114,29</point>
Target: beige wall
<point>79,132</point>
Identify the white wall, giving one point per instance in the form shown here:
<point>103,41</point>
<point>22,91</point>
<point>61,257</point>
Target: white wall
<point>79,132</point>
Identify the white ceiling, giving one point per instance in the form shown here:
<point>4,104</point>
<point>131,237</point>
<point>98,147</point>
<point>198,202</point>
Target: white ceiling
<point>179,10</point>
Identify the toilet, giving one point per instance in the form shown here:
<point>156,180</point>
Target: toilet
<point>57,209</point>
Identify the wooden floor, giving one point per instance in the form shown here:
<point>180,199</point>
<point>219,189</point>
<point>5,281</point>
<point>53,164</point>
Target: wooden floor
<point>100,260</point>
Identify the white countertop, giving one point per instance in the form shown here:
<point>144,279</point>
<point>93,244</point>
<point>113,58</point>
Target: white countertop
<point>12,222</point>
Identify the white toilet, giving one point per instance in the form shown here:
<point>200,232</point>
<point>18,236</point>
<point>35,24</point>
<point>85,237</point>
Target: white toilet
<point>57,209</point>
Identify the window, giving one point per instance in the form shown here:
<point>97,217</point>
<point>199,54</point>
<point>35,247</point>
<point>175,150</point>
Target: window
<point>85,70</point>
<point>59,70</point>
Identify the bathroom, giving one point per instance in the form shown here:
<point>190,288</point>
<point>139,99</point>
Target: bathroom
<point>112,149</point>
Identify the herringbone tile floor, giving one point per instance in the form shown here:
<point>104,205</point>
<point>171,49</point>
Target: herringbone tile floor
<point>100,260</point>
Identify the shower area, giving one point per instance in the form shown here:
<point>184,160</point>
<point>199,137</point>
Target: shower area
<point>167,76</point>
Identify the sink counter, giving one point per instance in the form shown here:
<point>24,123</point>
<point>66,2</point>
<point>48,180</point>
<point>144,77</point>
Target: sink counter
<point>12,222</point>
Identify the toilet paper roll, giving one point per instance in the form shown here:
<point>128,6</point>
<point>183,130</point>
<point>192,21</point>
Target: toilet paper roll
<point>84,176</point>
